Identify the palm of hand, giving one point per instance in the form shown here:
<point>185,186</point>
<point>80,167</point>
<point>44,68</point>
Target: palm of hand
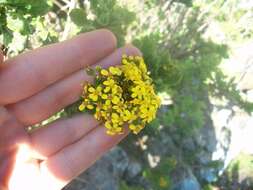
<point>34,86</point>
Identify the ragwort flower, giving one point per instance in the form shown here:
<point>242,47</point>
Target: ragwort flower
<point>122,96</point>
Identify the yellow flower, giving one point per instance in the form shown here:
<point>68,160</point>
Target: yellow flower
<point>163,182</point>
<point>128,116</point>
<point>138,91</point>
<point>119,130</point>
<point>136,101</point>
<point>124,56</point>
<point>98,113</point>
<point>136,128</point>
<point>124,61</point>
<point>115,99</point>
<point>109,83</point>
<point>81,107</point>
<point>107,107</point>
<point>85,104</point>
<point>111,99</point>
<point>95,93</point>
<point>113,129</point>
<point>120,106</point>
<point>115,71</point>
<point>122,95</point>
<point>90,107</point>
<point>147,112</point>
<point>143,66</point>
<point>108,125</point>
<point>104,72</point>
<point>109,132</point>
<point>131,71</point>
<point>115,118</point>
<point>116,90</point>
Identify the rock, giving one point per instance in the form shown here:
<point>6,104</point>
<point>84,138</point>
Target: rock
<point>183,179</point>
<point>188,144</point>
<point>206,138</point>
<point>134,169</point>
<point>76,185</point>
<point>105,173</point>
<point>119,160</point>
<point>162,146</point>
<point>203,157</point>
<point>101,175</point>
<point>208,174</point>
<point>189,183</point>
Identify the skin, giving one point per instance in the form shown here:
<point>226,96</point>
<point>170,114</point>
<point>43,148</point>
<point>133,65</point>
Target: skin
<point>34,86</point>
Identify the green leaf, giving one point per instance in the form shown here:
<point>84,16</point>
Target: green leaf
<point>90,71</point>
<point>7,37</point>
<point>78,16</point>
<point>98,68</point>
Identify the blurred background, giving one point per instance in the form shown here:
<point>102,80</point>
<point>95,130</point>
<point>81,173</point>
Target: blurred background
<point>200,55</point>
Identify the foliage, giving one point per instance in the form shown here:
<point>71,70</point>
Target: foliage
<point>124,186</point>
<point>209,187</point>
<point>186,66</point>
<point>160,175</point>
<point>233,18</point>
<point>17,16</point>
<point>244,163</point>
<point>238,174</point>
<point>107,15</point>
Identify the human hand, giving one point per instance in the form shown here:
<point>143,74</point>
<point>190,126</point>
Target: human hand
<point>34,86</point>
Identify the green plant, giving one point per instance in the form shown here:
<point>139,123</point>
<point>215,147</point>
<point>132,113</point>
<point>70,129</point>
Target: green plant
<point>20,16</point>
<point>124,186</point>
<point>160,175</point>
<point>108,14</point>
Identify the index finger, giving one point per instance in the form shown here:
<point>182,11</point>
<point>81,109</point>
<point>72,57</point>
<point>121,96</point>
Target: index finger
<point>33,71</point>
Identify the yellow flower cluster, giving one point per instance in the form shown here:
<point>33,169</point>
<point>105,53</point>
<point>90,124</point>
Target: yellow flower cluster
<point>122,96</point>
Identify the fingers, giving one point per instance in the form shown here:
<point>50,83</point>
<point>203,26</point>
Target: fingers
<point>75,158</point>
<point>31,72</point>
<point>51,139</point>
<point>12,133</point>
<point>59,95</point>
<point>4,115</point>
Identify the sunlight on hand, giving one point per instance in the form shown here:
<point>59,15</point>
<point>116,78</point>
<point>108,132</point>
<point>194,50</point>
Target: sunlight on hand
<point>27,173</point>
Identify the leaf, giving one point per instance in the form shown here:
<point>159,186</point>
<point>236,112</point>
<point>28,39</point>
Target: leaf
<point>90,71</point>
<point>7,37</point>
<point>78,16</point>
<point>15,25</point>
<point>98,68</point>
<point>37,8</point>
